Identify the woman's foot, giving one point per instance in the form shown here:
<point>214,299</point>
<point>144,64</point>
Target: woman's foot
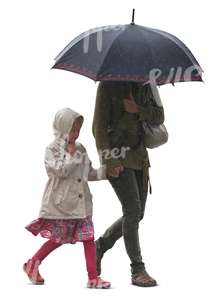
<point>98,283</point>
<point>99,256</point>
<point>32,271</point>
<point>143,279</point>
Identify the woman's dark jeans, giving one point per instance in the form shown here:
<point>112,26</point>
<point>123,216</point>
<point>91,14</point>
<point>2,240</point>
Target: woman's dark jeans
<point>131,188</point>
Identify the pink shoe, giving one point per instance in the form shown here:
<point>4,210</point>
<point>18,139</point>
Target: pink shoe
<point>32,271</point>
<point>98,283</point>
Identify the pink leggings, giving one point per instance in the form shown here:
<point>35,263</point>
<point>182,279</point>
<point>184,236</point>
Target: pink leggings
<point>89,251</point>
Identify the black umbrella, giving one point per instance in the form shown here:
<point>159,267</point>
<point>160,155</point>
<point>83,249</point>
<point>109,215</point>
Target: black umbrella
<point>129,53</point>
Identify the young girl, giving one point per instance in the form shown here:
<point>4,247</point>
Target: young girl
<point>66,211</point>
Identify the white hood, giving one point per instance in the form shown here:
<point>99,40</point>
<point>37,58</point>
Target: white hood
<point>63,122</point>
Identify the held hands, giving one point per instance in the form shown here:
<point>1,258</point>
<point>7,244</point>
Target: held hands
<point>115,172</point>
<point>130,105</point>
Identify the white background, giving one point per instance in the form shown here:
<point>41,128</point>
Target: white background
<point>179,234</point>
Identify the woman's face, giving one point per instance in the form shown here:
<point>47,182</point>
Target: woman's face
<point>75,130</point>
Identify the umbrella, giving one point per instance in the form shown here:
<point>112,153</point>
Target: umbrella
<point>129,52</point>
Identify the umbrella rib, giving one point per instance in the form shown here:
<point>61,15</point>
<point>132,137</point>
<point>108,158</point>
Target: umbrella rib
<point>179,43</point>
<point>126,27</point>
<point>152,55</point>
<point>76,40</point>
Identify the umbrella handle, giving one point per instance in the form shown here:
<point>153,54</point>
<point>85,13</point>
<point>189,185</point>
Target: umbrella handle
<point>133,17</point>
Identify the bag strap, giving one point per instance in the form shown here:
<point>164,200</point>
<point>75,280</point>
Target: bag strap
<point>149,181</point>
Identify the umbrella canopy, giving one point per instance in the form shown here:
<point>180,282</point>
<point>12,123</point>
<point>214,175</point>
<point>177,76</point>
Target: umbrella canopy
<point>129,53</point>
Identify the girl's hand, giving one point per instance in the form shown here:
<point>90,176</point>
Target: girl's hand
<point>71,148</point>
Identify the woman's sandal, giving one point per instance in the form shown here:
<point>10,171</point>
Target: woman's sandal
<point>143,279</point>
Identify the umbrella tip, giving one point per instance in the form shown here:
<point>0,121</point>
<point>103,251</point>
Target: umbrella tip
<point>133,17</point>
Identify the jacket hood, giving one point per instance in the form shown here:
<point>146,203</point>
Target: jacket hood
<point>63,121</point>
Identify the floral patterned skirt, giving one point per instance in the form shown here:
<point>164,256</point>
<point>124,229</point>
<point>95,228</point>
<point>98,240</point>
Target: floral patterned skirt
<point>62,230</point>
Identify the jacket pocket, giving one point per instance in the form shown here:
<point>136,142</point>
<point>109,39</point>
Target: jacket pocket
<point>67,202</point>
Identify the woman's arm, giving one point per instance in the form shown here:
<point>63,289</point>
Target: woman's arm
<point>100,125</point>
<point>153,111</point>
<point>154,115</point>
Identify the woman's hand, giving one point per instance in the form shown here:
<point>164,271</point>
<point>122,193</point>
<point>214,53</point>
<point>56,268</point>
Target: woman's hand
<point>130,105</point>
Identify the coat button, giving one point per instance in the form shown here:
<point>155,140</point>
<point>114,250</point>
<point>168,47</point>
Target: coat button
<point>79,179</point>
<point>80,195</point>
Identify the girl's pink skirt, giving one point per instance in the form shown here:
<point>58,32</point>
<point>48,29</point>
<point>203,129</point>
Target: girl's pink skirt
<point>63,231</point>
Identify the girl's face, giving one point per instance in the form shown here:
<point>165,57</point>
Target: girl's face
<point>75,130</point>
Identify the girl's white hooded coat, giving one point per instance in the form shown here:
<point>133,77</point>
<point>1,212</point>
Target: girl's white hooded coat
<point>67,194</point>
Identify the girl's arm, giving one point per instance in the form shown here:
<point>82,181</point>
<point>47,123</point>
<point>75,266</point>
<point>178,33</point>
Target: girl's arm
<point>92,174</point>
<point>58,162</point>
<point>96,174</point>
